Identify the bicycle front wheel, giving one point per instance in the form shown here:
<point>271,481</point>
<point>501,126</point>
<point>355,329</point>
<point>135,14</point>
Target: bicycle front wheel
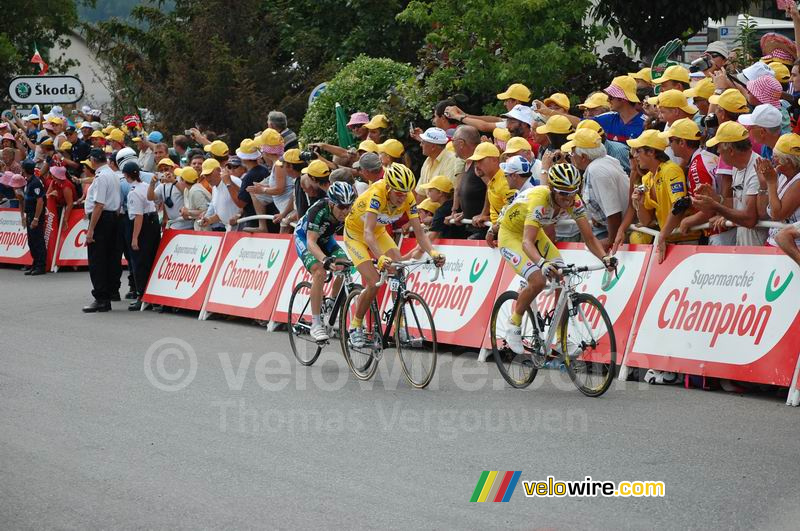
<point>589,345</point>
<point>305,349</point>
<point>362,360</point>
<point>517,369</point>
<point>415,338</point>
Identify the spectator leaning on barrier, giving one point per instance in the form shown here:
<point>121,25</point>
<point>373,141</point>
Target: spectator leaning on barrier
<point>487,162</point>
<point>470,190</point>
<point>788,240</point>
<point>625,120</point>
<point>440,191</point>
<point>168,191</point>
<point>614,149</point>
<point>146,233</point>
<point>764,125</point>
<point>102,207</point>
<point>517,170</point>
<point>741,207</point>
<point>782,200</point>
<point>196,197</point>
<point>280,186</point>
<point>63,192</point>
<point>313,186</point>
<point>249,153</point>
<point>438,161</point>
<point>605,184</point>
<point>222,210</point>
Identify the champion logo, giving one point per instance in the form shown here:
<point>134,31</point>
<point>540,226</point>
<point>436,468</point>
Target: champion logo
<point>774,287</point>
<point>475,272</point>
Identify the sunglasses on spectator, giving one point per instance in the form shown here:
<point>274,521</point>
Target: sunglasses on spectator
<point>232,166</point>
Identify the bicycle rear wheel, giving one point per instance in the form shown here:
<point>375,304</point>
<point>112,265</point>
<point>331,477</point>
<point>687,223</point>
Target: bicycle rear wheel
<point>362,361</point>
<point>517,369</point>
<point>305,349</point>
<point>589,345</point>
<point>415,338</point>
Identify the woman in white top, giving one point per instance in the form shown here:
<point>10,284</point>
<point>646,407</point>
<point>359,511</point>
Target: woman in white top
<point>779,191</point>
<point>146,230</point>
<point>279,186</point>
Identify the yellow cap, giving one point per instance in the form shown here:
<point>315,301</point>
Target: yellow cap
<point>502,134</point>
<point>109,149</point>
<point>218,148</point>
<point>560,99</point>
<point>789,144</point>
<point>674,99</point>
<point>66,145</point>
<point>729,132</point>
<point>317,169</point>
<point>88,163</point>
<point>378,121</point>
<point>781,71</point>
<point>248,150</point>
<point>98,134</point>
<point>595,101</point>
<point>188,174</point>
<point>557,124</point>
<point>517,144</point>
<point>107,129</point>
<point>116,135</point>
<point>56,120</point>
<point>703,89</point>
<point>485,149</point>
<point>653,100</point>
<point>649,138</point>
<point>136,139</point>
<point>674,73</point>
<point>623,87</point>
<point>269,137</point>
<point>684,128</point>
<point>582,138</point>
<point>731,100</point>
<point>441,183</point>
<point>392,147</point>
<point>209,165</point>
<point>517,91</point>
<point>292,156</point>
<point>369,146</point>
<point>166,161</point>
<point>591,125</point>
<point>645,74</point>
<point>430,206</point>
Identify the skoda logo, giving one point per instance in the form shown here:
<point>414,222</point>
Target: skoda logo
<point>23,90</point>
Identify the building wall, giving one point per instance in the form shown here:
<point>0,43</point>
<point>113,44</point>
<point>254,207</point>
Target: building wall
<point>95,94</point>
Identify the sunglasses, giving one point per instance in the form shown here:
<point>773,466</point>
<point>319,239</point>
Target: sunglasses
<point>232,166</point>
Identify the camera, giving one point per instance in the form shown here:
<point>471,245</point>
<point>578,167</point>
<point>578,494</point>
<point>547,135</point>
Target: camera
<point>711,121</point>
<point>681,205</point>
<point>561,157</point>
<point>308,155</point>
<point>701,64</point>
<point>187,132</point>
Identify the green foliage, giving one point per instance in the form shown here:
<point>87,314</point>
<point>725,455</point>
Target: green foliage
<point>365,84</point>
<point>650,24</point>
<point>747,43</point>
<point>34,22</point>
<point>478,48</point>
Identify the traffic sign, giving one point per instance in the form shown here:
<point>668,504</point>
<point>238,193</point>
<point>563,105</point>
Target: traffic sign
<point>45,89</point>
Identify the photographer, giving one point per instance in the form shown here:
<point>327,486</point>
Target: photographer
<point>714,59</point>
<point>167,190</point>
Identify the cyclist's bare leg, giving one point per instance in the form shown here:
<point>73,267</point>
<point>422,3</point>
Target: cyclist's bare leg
<point>370,277</point>
<point>317,286</point>
<point>536,283</point>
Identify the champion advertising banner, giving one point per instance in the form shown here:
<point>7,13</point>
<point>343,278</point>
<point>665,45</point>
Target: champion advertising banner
<point>619,294</point>
<point>295,273</point>
<point>460,298</point>
<point>725,312</point>
<point>248,277</point>
<point>72,250</point>
<point>183,268</point>
<point>13,238</point>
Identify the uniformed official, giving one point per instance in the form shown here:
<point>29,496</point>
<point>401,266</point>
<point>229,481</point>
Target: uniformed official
<point>146,234</point>
<point>34,198</point>
<point>102,208</point>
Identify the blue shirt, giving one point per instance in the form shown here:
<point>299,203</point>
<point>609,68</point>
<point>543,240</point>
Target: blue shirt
<point>34,191</point>
<point>616,129</point>
<point>621,152</point>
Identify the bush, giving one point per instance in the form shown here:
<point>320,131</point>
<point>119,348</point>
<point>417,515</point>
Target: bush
<point>365,84</point>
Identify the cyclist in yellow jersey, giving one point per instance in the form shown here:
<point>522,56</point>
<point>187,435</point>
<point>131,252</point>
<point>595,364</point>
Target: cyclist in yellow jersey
<point>527,227</point>
<point>365,235</point>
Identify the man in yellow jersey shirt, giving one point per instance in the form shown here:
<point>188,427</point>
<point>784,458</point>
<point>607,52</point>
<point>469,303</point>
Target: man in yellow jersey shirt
<point>526,228</point>
<point>365,235</point>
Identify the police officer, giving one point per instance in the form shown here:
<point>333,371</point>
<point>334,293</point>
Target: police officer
<point>34,199</point>
<point>102,208</point>
<point>125,227</point>
<point>146,233</point>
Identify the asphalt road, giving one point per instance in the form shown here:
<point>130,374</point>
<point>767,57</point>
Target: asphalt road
<point>90,437</point>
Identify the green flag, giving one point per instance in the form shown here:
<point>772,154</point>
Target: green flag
<point>345,138</point>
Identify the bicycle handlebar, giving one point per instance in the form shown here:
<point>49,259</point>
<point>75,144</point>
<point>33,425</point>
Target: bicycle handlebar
<point>409,263</point>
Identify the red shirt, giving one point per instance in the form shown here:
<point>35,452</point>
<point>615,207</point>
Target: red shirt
<point>702,170</point>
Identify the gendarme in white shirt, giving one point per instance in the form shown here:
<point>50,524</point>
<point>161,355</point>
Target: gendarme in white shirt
<point>138,204</point>
<point>104,189</point>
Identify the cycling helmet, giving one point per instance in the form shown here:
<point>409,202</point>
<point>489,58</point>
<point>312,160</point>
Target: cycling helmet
<point>400,177</point>
<point>564,178</point>
<point>341,193</point>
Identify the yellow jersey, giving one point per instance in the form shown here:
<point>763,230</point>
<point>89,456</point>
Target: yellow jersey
<point>534,207</point>
<point>376,199</point>
<point>498,193</point>
<point>662,190</point>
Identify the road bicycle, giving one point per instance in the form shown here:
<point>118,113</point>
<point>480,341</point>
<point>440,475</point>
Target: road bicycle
<point>578,322</point>
<point>306,349</point>
<point>407,325</point>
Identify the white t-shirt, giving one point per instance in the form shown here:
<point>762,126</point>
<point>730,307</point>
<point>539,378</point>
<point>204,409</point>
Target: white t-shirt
<point>745,183</point>
<point>171,190</point>
<point>222,203</point>
<point>783,186</point>
<point>605,191</point>
<point>138,203</point>
<point>105,190</point>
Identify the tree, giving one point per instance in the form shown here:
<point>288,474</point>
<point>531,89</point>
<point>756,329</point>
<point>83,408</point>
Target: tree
<point>34,22</point>
<point>478,48</point>
<point>651,24</point>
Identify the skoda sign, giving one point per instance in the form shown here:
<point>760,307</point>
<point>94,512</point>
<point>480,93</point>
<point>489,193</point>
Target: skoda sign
<point>45,89</point>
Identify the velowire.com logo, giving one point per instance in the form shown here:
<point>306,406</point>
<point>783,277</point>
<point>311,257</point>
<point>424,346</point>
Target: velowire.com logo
<point>494,486</point>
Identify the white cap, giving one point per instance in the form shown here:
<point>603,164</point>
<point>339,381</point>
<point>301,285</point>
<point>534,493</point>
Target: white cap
<point>765,115</point>
<point>516,164</point>
<point>719,47</point>
<point>97,126</point>
<point>523,113</point>
<point>434,135</point>
<point>755,71</point>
